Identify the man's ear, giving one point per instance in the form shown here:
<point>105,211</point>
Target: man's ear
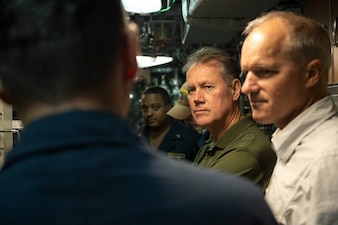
<point>314,72</point>
<point>236,89</point>
<point>3,95</point>
<point>131,50</point>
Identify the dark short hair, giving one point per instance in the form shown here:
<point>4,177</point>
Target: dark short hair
<point>161,91</point>
<point>209,54</point>
<point>52,50</point>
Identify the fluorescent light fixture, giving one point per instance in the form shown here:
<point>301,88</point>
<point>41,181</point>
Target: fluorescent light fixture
<point>148,61</point>
<point>142,6</point>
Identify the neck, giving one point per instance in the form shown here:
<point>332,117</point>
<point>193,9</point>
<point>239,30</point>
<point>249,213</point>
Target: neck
<point>39,110</point>
<point>157,131</point>
<point>219,128</point>
<point>313,96</point>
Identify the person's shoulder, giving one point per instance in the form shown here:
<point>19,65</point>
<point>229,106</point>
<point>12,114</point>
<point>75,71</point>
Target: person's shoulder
<point>178,124</point>
<point>184,129</point>
<point>210,179</point>
<point>260,131</point>
<point>331,123</point>
<point>222,195</point>
<point>250,130</point>
<point>323,138</point>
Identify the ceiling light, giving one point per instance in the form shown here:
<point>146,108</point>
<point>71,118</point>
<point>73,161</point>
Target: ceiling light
<point>142,6</point>
<point>148,61</point>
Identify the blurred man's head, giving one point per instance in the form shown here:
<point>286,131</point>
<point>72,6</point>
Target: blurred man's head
<point>56,51</point>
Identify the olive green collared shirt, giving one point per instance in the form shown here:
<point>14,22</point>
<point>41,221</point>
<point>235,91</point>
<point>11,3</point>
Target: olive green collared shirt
<point>244,150</point>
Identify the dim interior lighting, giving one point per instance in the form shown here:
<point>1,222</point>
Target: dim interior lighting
<point>148,61</point>
<point>142,6</point>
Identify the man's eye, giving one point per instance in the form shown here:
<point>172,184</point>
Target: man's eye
<point>156,107</point>
<point>208,87</point>
<point>264,73</point>
<point>191,91</point>
<point>144,109</point>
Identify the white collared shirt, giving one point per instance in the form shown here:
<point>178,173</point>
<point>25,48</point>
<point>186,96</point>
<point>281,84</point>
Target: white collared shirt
<point>304,185</point>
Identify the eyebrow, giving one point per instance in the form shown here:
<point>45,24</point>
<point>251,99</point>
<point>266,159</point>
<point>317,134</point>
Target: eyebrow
<point>201,83</point>
<point>153,104</point>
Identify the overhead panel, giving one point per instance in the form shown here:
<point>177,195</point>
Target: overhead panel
<point>218,21</point>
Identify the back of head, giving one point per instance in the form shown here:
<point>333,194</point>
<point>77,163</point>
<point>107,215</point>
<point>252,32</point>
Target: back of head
<point>51,50</point>
<point>307,39</point>
<point>212,55</point>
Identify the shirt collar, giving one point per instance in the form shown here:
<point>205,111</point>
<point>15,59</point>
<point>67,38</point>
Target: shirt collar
<point>234,131</point>
<point>285,141</point>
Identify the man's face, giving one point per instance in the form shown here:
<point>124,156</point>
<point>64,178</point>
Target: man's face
<point>274,82</point>
<point>210,98</point>
<point>154,111</point>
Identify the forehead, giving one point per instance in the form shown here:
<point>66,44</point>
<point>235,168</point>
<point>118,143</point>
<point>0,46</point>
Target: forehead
<point>204,72</point>
<point>266,42</point>
<point>151,98</point>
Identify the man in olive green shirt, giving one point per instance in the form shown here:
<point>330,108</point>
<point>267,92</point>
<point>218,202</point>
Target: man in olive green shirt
<point>236,143</point>
<point>243,150</point>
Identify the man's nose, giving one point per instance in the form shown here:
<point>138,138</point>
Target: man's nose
<point>150,112</point>
<point>250,84</point>
<point>198,96</point>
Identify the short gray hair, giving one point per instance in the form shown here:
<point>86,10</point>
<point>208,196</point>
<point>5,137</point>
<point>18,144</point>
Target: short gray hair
<point>215,56</point>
